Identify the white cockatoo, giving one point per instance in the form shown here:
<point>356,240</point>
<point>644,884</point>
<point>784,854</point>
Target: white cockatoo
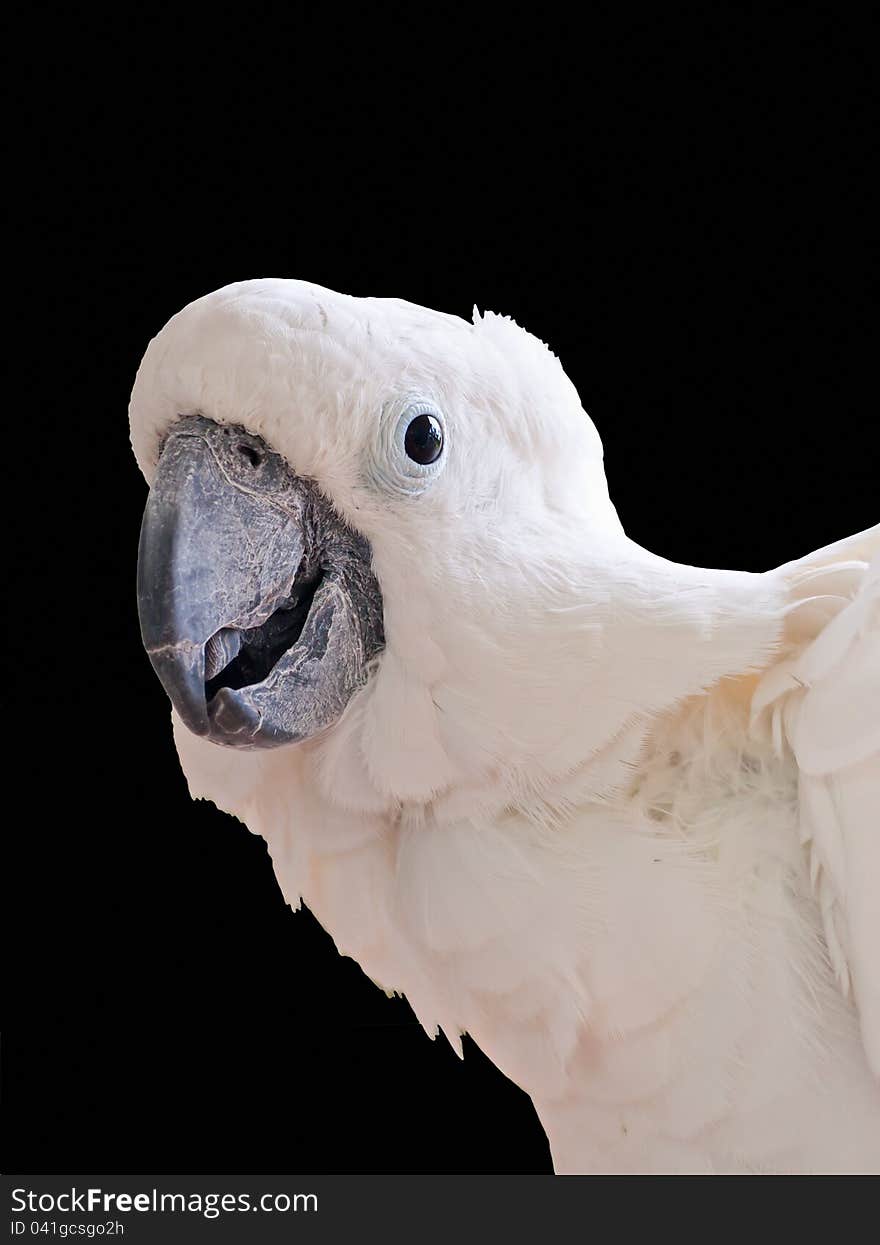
<point>616,818</point>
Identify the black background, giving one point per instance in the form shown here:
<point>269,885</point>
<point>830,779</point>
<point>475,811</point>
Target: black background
<point>682,214</point>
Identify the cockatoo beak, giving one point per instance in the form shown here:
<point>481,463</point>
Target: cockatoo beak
<point>258,607</point>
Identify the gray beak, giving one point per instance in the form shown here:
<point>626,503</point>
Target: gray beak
<point>258,607</point>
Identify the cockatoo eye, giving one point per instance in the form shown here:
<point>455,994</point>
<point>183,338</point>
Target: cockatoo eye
<point>411,447</point>
<point>423,440</point>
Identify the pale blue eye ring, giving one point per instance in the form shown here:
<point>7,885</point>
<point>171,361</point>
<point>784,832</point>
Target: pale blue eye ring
<point>393,465</point>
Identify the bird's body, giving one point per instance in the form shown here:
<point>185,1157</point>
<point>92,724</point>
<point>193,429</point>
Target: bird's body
<point>615,818</point>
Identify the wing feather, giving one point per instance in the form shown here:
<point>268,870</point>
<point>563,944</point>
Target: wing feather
<point>824,704</point>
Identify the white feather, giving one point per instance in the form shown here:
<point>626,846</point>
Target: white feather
<point>829,695</point>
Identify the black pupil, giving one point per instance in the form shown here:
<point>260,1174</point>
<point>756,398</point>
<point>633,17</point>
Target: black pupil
<point>424,440</point>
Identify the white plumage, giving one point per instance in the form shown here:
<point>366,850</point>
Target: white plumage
<point>618,819</point>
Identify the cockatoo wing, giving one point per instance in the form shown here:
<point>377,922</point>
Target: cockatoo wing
<point>823,702</point>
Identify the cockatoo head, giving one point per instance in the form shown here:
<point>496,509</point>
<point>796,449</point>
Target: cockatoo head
<point>361,518</point>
